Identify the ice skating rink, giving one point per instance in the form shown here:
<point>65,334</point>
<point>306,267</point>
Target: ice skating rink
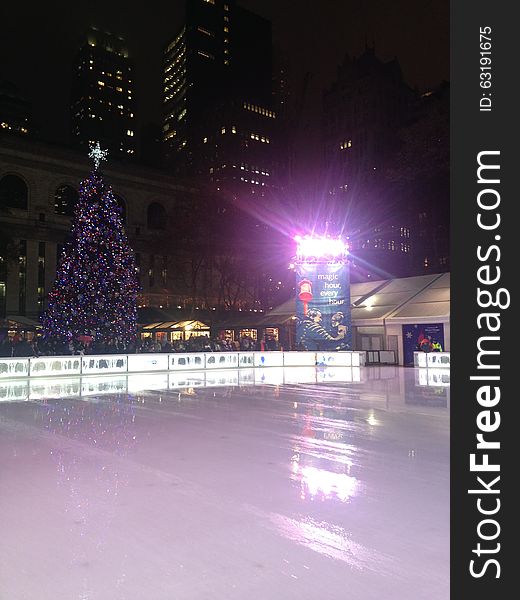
<point>263,484</point>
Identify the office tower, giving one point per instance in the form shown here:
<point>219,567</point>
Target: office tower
<point>365,109</point>
<point>219,120</point>
<point>102,99</point>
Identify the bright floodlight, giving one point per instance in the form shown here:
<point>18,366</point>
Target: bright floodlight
<point>324,248</point>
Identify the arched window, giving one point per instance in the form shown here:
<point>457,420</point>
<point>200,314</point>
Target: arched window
<point>13,192</point>
<point>156,216</point>
<point>65,200</point>
<point>122,206</point>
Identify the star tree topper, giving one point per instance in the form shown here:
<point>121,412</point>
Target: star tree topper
<point>97,154</point>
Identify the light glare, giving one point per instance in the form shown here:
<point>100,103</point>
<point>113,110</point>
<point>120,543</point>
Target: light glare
<point>320,247</point>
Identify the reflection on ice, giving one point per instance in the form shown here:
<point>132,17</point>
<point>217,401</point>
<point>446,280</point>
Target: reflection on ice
<point>350,374</point>
<point>436,380</point>
<point>331,541</point>
<point>114,384</point>
<point>318,483</point>
<point>432,377</point>
<point>138,383</point>
<point>66,387</point>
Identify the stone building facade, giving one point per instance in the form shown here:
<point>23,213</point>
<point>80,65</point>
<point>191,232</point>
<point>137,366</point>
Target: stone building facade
<point>37,180</point>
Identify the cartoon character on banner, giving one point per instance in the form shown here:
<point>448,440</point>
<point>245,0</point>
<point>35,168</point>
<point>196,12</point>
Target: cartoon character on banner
<point>313,331</point>
<point>337,322</point>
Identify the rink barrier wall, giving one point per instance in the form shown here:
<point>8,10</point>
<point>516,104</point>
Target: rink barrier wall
<point>53,366</point>
<point>431,360</point>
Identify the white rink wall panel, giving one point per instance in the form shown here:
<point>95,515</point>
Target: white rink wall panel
<point>419,359</point>
<point>246,359</point>
<point>140,363</point>
<point>221,360</point>
<point>108,363</point>
<point>334,359</point>
<point>188,361</point>
<point>50,366</point>
<point>268,359</point>
<point>440,360</point>
<point>14,367</point>
<point>53,366</point>
<point>299,359</point>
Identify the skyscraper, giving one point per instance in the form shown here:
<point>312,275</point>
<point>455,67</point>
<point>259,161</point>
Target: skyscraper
<point>102,99</point>
<point>219,120</point>
<point>364,109</point>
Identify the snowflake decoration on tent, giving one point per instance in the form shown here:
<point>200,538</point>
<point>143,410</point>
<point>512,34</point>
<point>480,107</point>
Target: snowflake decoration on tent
<point>97,154</point>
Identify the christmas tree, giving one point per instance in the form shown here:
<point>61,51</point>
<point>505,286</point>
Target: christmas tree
<point>95,292</point>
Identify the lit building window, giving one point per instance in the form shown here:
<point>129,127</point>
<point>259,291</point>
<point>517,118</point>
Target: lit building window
<point>205,140</point>
<point>205,54</point>
<point>233,129</point>
<point>130,132</point>
<point>206,31</point>
<point>119,89</point>
<point>226,29</point>
<point>101,83</point>
<point>223,130</point>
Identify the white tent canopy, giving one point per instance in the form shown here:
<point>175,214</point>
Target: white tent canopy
<point>426,297</point>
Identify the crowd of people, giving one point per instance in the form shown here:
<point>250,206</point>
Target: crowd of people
<point>18,346</point>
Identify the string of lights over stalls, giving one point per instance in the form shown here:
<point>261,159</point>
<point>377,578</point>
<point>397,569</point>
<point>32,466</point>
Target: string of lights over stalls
<point>95,292</point>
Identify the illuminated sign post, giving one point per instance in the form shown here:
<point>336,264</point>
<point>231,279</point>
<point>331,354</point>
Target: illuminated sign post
<point>323,320</point>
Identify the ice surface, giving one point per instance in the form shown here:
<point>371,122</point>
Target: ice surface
<point>252,484</point>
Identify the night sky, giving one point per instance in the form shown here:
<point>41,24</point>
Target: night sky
<point>37,47</point>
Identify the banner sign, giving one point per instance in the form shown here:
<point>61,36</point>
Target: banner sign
<point>323,320</point>
<point>428,337</point>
